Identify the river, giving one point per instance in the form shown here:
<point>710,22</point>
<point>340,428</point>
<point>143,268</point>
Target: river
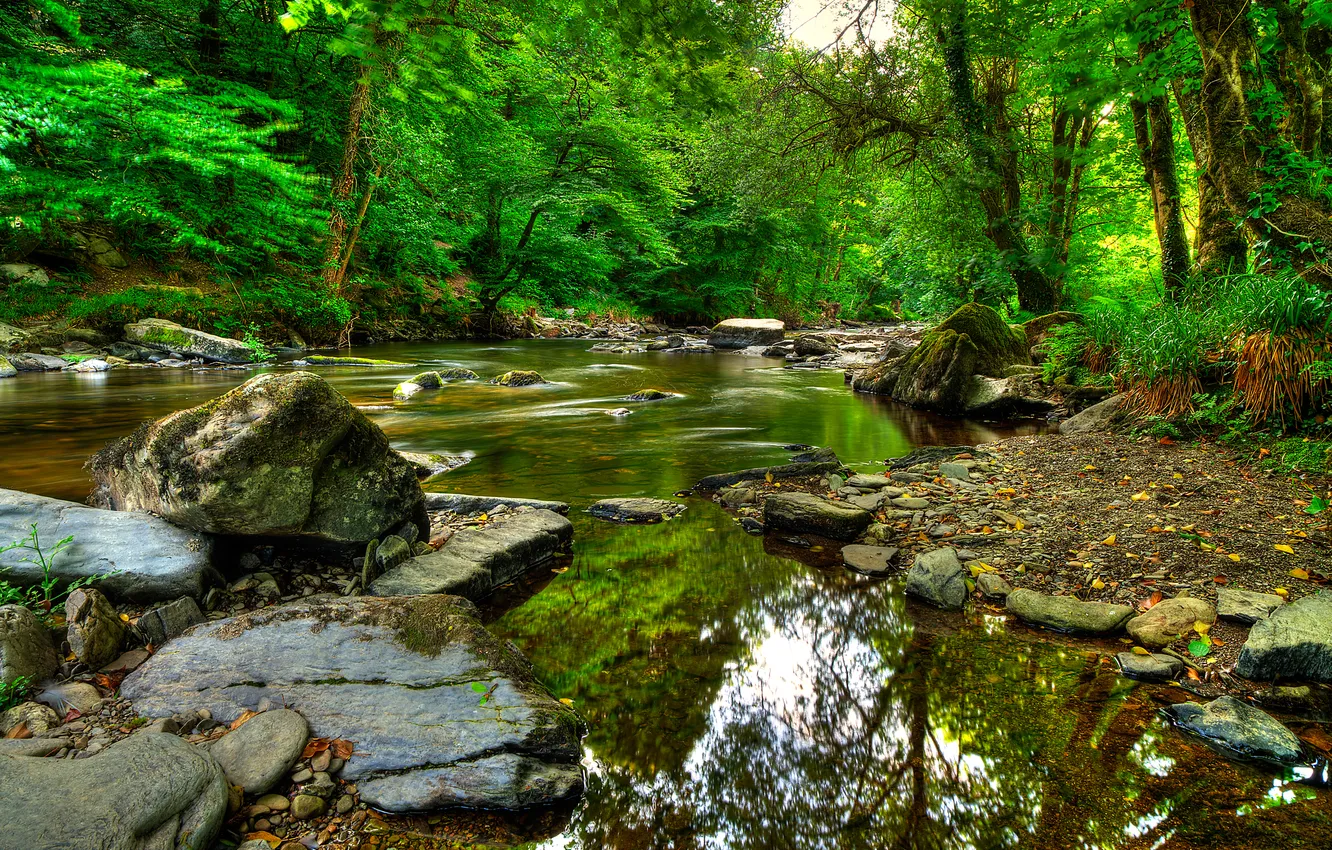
<point>739,697</point>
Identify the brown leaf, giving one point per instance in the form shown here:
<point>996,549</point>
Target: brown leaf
<point>342,749</point>
<point>315,747</point>
<point>240,721</point>
<point>19,731</point>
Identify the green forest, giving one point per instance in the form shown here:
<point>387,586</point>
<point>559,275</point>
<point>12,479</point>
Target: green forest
<point>408,168</point>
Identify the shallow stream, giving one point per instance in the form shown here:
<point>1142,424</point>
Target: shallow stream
<point>737,697</point>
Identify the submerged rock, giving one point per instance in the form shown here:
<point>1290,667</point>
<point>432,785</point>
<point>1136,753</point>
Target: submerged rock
<point>441,712</point>
<point>742,333</point>
<point>809,514</point>
<point>1294,642</point>
<point>635,510</point>
<point>147,792</point>
<point>168,336</point>
<point>650,395</point>
<point>1066,614</point>
<point>518,378</point>
<point>475,561</point>
<point>1239,728</point>
<point>144,558</point>
<point>281,455</point>
<point>938,578</point>
<point>874,561</point>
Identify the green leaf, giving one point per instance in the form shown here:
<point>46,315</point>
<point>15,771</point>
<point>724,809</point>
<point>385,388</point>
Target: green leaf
<point>479,687</point>
<point>1200,646</point>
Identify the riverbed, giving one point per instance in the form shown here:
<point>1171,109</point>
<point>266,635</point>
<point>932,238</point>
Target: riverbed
<point>738,697</point>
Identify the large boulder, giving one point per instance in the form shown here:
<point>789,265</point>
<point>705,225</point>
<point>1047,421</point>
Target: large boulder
<point>441,712</point>
<point>148,792</point>
<point>280,455</point>
<point>1294,642</point>
<point>805,513</point>
<point>1239,728</point>
<point>742,333</point>
<point>938,374</point>
<point>1168,620</point>
<point>1066,614</point>
<point>144,558</point>
<point>165,335</point>
<point>26,648</point>
<point>475,561</point>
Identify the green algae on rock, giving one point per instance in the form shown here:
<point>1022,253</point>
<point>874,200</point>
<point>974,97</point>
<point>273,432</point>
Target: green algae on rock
<point>518,378</point>
<point>169,336</point>
<point>325,360</point>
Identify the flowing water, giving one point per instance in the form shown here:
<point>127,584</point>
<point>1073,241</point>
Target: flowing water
<point>737,697</point>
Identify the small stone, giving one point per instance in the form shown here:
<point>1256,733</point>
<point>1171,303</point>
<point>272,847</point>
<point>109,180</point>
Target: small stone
<point>79,696</point>
<point>306,807</point>
<point>164,622</point>
<point>993,586</point>
<point>876,561</point>
<point>345,804</point>
<point>938,578</point>
<point>305,774</point>
<point>954,470</point>
<point>322,786</point>
<point>258,752</point>
<point>1168,620</point>
<point>95,629</point>
<point>26,648</point>
<point>1156,667</point>
<point>274,802</point>
<point>320,761</point>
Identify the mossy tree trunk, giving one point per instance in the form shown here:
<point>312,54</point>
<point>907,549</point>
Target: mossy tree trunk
<point>1219,246</point>
<point>1154,132</point>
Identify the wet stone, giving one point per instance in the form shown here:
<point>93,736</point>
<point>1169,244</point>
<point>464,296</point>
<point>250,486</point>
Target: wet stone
<point>1156,667</point>
<point>874,561</point>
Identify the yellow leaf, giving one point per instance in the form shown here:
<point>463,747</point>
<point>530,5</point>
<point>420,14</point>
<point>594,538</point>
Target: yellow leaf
<point>1202,628</point>
<point>1281,591</point>
<point>124,618</point>
<point>1234,556</point>
<point>1282,547</point>
<point>566,700</point>
<point>976,570</point>
<point>1179,477</point>
<point>484,518</point>
<point>1098,585</point>
<point>1188,527</point>
<point>1299,573</point>
<point>1140,497</point>
<point>1089,468</point>
<point>1019,525</point>
<point>1169,528</point>
<point>1137,650</point>
<point>767,476</point>
<point>1109,541</point>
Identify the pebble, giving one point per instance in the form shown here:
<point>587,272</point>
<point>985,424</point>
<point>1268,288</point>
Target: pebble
<point>302,775</point>
<point>306,806</point>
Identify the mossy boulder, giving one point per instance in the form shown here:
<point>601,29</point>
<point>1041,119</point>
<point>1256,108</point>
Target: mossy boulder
<point>280,455</point>
<point>938,373</point>
<point>324,360</point>
<point>650,395</point>
<point>168,336</point>
<point>7,369</point>
<point>519,378</point>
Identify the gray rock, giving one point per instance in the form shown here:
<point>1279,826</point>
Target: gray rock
<point>149,559</point>
<point>38,718</point>
<point>742,333</point>
<point>518,378</point>
<point>993,586</point>
<point>171,337</point>
<point>430,464</point>
<point>37,362</point>
<point>650,395</point>
<point>148,792</point>
<point>1294,642</point>
<point>814,345</point>
<point>467,505</point>
<point>11,337</point>
<point>95,629</point>
<point>403,678</point>
<point>392,552</point>
<point>1096,418</point>
<point>1245,606</point>
<point>635,510</point>
<point>78,696</point>
<point>100,252</point>
<point>284,454</point>
<point>307,806</point>
<point>954,470</point>
<point>938,578</point>
<point>262,749</point>
<point>869,482</point>
<point>96,364</point>
<point>874,561</point>
<point>1168,620</point>
<point>26,648</point>
<point>1017,395</point>
<point>1066,614</point>
<point>23,273</point>
<point>1239,728</point>
<point>911,503</point>
<point>165,622</point>
<point>1149,668</point>
<point>7,369</point>
<point>735,497</point>
<point>870,501</point>
<point>475,561</point>
<point>809,514</point>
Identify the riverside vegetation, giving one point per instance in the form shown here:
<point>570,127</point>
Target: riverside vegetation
<point>1049,571</point>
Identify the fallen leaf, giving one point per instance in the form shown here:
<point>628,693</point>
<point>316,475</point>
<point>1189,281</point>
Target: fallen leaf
<point>566,701</point>
<point>1299,573</point>
<point>1193,674</point>
<point>19,732</point>
<point>1234,556</point>
<point>342,748</point>
<point>1140,497</point>
<point>1281,591</point>
<point>1202,628</point>
<point>1282,547</point>
<point>1109,541</point>
<point>1138,650</point>
<point>239,721</point>
<point>1098,585</point>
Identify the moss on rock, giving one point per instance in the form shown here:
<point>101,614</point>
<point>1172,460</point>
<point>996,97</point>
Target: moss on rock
<point>519,378</point>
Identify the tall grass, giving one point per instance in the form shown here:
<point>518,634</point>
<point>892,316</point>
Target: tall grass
<point>1164,358</point>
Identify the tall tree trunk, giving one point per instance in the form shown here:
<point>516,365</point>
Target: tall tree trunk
<point>1037,291</point>
<point>1218,245</point>
<point>1291,221</point>
<point>210,32</point>
<point>345,183</point>
<point>1155,135</point>
<point>1298,78</point>
<point>1070,135</point>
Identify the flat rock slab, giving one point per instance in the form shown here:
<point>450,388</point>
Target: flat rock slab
<point>148,792</point>
<point>1066,614</point>
<point>637,510</point>
<point>805,513</point>
<point>1294,642</point>
<point>165,335</point>
<point>742,333</point>
<point>1240,729</point>
<point>466,505</point>
<point>475,561</point>
<point>874,561</point>
<point>150,560</point>
<point>442,713</point>
<point>1156,667</point>
<point>1246,606</point>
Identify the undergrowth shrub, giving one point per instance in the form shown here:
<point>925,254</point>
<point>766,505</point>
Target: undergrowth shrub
<point>1164,358</point>
<point>1281,331</point>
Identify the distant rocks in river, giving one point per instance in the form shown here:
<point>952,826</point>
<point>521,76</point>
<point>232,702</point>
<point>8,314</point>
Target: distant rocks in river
<point>168,336</point>
<point>635,510</point>
<point>518,378</point>
<point>742,333</point>
<point>433,380</point>
<point>281,455</point>
<point>489,735</point>
<point>329,360</point>
<point>7,369</point>
<point>428,465</point>
<point>650,395</point>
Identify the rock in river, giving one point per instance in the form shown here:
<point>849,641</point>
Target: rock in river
<point>147,792</point>
<point>169,336</point>
<point>1066,614</point>
<point>460,503</point>
<point>635,510</point>
<point>1294,642</point>
<point>805,513</point>
<point>742,333</point>
<point>874,561</point>
<point>938,578</point>
<point>442,713</point>
<point>1153,667</point>
<point>280,455</point>
<point>518,378</point>
<point>1166,621</point>
<point>475,561</point>
<point>26,648</point>
<point>1239,728</point>
<point>650,395</point>
<point>148,559</point>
